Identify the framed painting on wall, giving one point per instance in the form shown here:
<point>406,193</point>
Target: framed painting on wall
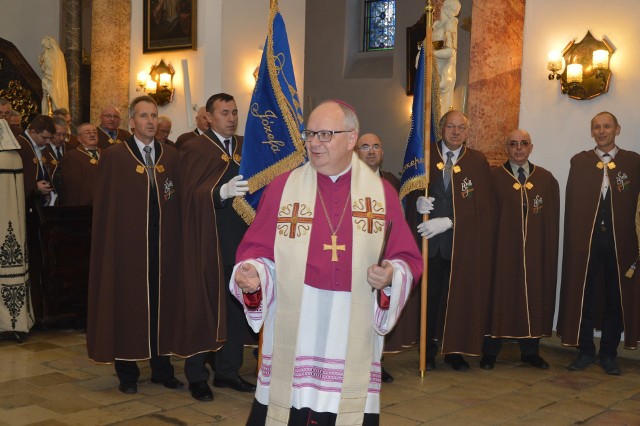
<point>169,25</point>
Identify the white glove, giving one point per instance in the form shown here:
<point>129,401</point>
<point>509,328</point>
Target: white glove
<point>236,187</point>
<point>432,227</point>
<point>424,204</point>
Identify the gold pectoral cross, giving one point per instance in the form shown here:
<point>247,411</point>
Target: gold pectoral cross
<point>334,247</point>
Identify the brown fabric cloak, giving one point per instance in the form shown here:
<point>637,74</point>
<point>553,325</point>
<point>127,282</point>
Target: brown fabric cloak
<point>582,199</point>
<point>465,316</point>
<point>118,301</point>
<point>185,137</point>
<point>526,259</point>
<point>105,141</point>
<point>30,165</point>
<point>78,176</point>
<point>202,165</point>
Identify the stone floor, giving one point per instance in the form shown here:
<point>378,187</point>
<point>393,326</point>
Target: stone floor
<point>48,380</point>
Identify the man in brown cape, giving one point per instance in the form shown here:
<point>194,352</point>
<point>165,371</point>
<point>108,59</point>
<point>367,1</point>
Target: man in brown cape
<point>37,176</point>
<point>202,125</point>
<point>209,166</point>
<point>80,169</point>
<point>599,289</point>
<point>109,133</point>
<point>459,233</point>
<point>527,215</point>
<point>134,247</point>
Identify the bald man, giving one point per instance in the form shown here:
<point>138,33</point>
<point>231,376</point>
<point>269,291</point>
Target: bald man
<point>109,133</point>
<point>369,149</point>
<point>525,266</point>
<point>202,125</point>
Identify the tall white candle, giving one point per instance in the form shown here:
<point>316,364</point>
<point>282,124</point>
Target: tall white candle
<point>187,92</point>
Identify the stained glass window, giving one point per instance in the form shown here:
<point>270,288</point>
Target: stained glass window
<point>379,24</point>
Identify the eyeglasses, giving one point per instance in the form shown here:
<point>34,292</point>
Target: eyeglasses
<point>111,116</point>
<point>323,135</point>
<point>164,132</point>
<point>367,148</point>
<point>514,144</point>
<point>6,114</point>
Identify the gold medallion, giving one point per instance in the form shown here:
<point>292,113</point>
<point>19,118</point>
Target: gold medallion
<point>160,168</point>
<point>440,165</point>
<point>528,185</point>
<point>236,158</point>
<point>225,158</point>
<point>54,162</point>
<point>600,165</point>
<point>517,186</point>
<point>457,169</point>
<point>93,161</point>
<point>140,169</point>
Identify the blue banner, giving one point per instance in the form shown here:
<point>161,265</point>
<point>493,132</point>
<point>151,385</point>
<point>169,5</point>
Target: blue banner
<point>272,143</point>
<point>413,168</point>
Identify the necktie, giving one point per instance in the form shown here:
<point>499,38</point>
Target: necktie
<point>521,176</point>
<point>446,177</point>
<point>114,135</point>
<point>58,153</point>
<point>227,146</point>
<point>149,162</point>
<point>606,159</point>
<point>94,153</point>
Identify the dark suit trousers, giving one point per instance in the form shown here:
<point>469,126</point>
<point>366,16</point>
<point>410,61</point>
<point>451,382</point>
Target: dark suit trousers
<point>438,290</point>
<point>528,346</point>
<point>602,279</point>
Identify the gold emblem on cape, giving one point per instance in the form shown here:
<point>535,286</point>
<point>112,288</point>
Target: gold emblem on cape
<point>140,169</point>
<point>54,162</point>
<point>35,160</point>
<point>528,185</point>
<point>237,158</point>
<point>456,169</point>
<point>440,165</point>
<point>44,160</point>
<point>225,157</point>
<point>517,186</point>
<point>160,168</point>
<point>610,165</point>
<point>93,161</point>
<point>112,141</point>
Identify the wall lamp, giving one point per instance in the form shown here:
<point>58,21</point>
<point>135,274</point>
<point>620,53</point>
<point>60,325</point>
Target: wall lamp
<point>582,68</point>
<point>158,82</point>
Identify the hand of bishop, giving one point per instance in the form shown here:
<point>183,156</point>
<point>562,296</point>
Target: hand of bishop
<point>247,278</point>
<point>380,276</point>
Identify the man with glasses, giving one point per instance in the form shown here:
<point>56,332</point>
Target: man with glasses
<point>527,217</point>
<point>70,138</point>
<point>164,130</point>
<point>5,109</point>
<point>56,149</point>
<point>310,269</point>
<point>15,122</point>
<point>109,132</point>
<point>80,168</point>
<point>369,148</point>
<point>37,176</point>
<point>459,233</point>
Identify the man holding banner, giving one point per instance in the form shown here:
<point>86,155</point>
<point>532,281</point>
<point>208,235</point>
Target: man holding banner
<point>316,269</point>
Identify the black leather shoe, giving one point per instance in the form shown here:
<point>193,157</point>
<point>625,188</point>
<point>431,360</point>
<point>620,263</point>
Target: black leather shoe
<point>457,362</point>
<point>201,391</point>
<point>386,377</point>
<point>172,383</point>
<point>610,366</point>
<point>128,388</point>
<point>431,364</point>
<point>583,361</point>
<point>535,360</point>
<point>487,362</point>
<point>235,383</point>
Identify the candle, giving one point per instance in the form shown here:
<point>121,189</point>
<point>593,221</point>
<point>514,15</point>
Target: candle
<point>151,86</point>
<point>142,78</point>
<point>554,61</point>
<point>601,59</point>
<point>187,92</point>
<point>165,79</point>
<point>574,73</point>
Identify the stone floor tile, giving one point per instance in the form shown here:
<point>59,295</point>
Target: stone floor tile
<point>614,418</point>
<point>423,409</point>
<point>27,415</point>
<point>575,409</point>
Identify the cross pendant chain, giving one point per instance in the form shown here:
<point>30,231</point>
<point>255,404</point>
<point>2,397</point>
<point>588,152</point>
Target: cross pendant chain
<point>334,247</point>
